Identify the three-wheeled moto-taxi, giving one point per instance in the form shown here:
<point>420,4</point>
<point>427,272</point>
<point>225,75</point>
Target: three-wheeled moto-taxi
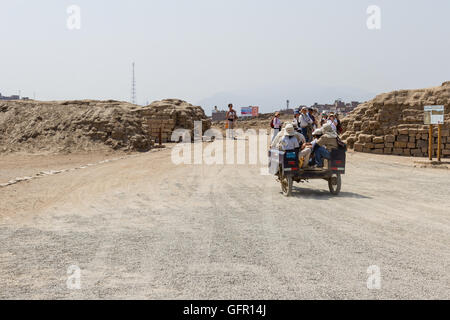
<point>285,165</point>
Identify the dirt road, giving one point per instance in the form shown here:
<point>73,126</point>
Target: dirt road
<point>142,227</point>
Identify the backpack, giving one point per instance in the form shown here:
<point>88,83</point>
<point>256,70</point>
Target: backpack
<point>341,144</point>
<point>339,127</point>
<point>271,124</point>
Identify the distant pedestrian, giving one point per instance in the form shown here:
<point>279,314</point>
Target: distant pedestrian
<point>231,119</point>
<point>276,125</point>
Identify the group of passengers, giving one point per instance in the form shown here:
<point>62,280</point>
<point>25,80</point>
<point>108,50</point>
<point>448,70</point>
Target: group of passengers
<point>313,138</point>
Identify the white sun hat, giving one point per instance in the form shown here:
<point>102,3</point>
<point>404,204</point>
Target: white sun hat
<point>289,129</point>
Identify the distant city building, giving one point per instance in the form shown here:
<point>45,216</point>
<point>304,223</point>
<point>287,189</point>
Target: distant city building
<point>13,97</point>
<point>338,106</point>
<point>287,111</point>
<point>354,104</point>
<point>219,115</point>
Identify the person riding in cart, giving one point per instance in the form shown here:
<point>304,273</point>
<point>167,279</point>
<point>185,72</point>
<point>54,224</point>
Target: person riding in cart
<point>305,123</point>
<point>286,147</point>
<point>285,141</point>
<point>289,141</point>
<point>323,144</point>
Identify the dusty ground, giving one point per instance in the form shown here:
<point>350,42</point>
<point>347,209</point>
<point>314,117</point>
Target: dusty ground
<point>20,165</point>
<point>142,227</point>
<point>261,122</point>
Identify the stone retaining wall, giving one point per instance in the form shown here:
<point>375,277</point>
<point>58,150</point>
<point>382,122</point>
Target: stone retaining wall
<point>404,141</point>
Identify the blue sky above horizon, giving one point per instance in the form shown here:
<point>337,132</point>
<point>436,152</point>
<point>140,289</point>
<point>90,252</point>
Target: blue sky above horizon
<point>212,52</point>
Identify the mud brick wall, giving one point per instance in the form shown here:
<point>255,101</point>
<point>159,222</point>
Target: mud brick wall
<point>405,142</point>
<point>155,125</point>
<point>169,115</point>
<point>392,123</point>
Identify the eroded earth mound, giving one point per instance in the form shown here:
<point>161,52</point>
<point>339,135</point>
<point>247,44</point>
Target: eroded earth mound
<point>87,125</point>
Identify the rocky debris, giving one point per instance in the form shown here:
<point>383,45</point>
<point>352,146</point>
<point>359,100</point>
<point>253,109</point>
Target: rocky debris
<point>392,123</point>
<point>86,125</point>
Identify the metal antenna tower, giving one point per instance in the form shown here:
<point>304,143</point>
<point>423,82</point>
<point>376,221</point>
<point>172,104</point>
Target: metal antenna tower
<point>133,86</point>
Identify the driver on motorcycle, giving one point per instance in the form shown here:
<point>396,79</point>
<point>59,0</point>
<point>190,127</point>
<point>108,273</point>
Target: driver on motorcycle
<point>289,143</point>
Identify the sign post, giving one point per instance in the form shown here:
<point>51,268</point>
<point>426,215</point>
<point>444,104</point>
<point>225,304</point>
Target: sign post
<point>439,142</point>
<point>430,142</point>
<point>434,115</point>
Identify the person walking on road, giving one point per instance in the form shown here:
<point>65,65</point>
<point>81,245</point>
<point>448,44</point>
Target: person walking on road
<point>276,125</point>
<point>231,118</point>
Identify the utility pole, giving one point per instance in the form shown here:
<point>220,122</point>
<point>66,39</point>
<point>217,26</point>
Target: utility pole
<point>287,104</point>
<point>133,86</point>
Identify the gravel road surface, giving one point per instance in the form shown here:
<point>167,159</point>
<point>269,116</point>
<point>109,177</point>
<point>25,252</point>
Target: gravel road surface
<point>142,227</point>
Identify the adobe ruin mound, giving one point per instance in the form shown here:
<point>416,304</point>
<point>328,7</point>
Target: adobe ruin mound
<point>88,125</point>
<point>392,123</point>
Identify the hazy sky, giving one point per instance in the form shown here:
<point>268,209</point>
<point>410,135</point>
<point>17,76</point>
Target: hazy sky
<point>257,52</point>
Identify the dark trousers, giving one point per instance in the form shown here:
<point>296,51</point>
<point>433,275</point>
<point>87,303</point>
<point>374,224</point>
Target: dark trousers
<point>319,154</point>
<point>305,133</point>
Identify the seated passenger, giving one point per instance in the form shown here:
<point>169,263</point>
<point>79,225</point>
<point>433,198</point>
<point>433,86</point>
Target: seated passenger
<point>289,141</point>
<point>324,119</point>
<point>305,150</point>
<point>323,145</point>
<point>275,144</point>
<point>332,121</point>
<point>295,121</point>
